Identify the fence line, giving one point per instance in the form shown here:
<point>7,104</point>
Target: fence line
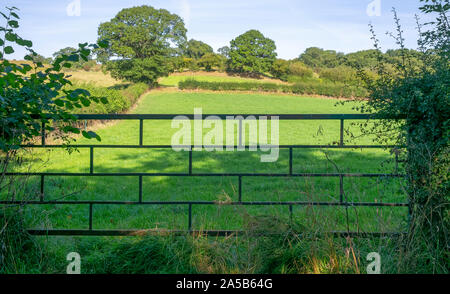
<point>289,174</point>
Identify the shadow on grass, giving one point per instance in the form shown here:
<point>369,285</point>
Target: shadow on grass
<point>223,190</point>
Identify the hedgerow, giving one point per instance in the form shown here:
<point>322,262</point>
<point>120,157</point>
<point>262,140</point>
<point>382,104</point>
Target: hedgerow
<point>325,88</point>
<point>120,98</point>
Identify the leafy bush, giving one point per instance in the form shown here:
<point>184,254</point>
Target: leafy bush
<point>120,98</point>
<point>280,69</point>
<point>211,60</point>
<point>318,87</point>
<point>343,74</point>
<point>420,97</point>
<point>299,69</point>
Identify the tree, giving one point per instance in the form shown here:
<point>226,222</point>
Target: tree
<point>252,53</point>
<point>142,40</point>
<point>317,58</point>
<point>196,49</point>
<point>210,60</point>
<point>224,51</point>
<point>362,59</point>
<point>280,69</point>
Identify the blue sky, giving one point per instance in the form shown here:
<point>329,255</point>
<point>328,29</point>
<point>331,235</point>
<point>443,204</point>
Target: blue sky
<point>295,25</point>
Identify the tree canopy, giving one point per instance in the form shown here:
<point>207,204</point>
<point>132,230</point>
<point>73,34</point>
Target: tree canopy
<point>252,53</point>
<point>318,58</point>
<point>142,39</point>
<point>196,49</point>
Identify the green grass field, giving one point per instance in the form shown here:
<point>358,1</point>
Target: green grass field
<point>221,189</point>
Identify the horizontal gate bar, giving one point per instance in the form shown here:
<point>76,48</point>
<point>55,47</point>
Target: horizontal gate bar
<point>218,233</point>
<point>247,203</point>
<point>218,146</point>
<point>356,175</point>
<point>224,116</point>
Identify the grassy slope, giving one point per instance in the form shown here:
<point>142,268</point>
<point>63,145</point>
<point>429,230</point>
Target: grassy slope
<point>218,188</point>
<point>98,78</point>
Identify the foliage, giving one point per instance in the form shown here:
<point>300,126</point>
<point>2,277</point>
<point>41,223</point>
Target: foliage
<point>224,51</point>
<point>343,74</point>
<point>18,250</point>
<point>120,98</point>
<point>211,60</point>
<point>252,53</point>
<point>361,59</point>
<point>330,89</point>
<point>80,64</point>
<point>31,96</point>
<point>42,59</point>
<point>316,57</point>
<point>299,69</point>
<point>280,69</point>
<point>140,70</point>
<point>142,39</point>
<point>421,97</point>
<point>196,49</point>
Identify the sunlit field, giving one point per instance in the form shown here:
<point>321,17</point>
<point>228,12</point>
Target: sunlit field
<point>173,79</point>
<point>220,189</point>
<point>96,77</point>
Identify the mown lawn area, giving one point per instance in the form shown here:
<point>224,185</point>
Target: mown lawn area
<point>220,189</point>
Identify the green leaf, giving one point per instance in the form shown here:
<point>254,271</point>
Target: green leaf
<point>94,135</point>
<point>70,129</point>
<point>91,135</point>
<point>59,102</point>
<point>85,101</point>
<point>104,100</point>
<point>9,50</point>
<point>11,37</point>
<point>28,43</point>
<point>73,58</point>
<point>103,44</point>
<point>15,15</point>
<point>13,24</point>
<point>85,52</point>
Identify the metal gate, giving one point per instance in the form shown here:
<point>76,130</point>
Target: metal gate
<point>140,118</point>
